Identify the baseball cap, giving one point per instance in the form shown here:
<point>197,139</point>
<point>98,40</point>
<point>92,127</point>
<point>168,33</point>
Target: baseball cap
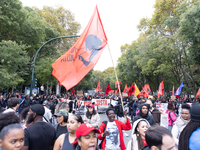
<point>91,105</point>
<point>62,112</point>
<point>83,130</point>
<point>38,109</point>
<point>45,102</point>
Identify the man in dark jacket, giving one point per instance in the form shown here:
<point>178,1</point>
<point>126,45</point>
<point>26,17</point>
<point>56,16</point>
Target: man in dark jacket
<point>144,113</point>
<point>26,102</point>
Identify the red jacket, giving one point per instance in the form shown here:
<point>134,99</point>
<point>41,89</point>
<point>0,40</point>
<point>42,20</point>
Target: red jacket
<point>121,126</point>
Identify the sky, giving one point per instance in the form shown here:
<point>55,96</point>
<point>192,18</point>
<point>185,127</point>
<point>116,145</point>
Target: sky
<point>119,18</point>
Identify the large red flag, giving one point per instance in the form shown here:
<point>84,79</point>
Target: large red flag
<point>83,55</point>
<point>108,89</point>
<point>98,87</point>
<point>132,89</point>
<point>161,89</point>
<point>126,89</point>
<point>73,90</point>
<point>145,91</point>
<point>173,91</point>
<point>198,93</point>
<point>116,84</point>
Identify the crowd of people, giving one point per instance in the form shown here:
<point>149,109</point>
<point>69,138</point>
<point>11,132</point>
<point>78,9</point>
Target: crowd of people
<point>45,122</point>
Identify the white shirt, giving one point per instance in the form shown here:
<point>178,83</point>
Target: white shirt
<point>47,114</point>
<point>112,141</point>
<point>8,110</point>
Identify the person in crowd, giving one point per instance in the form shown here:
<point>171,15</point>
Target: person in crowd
<point>144,113</point>
<point>73,105</point>
<point>3,101</point>
<point>61,126</point>
<point>47,113</point>
<point>40,135</point>
<point>91,116</point>
<point>181,122</point>
<point>139,129</point>
<point>42,89</point>
<point>13,105</point>
<point>11,132</point>
<point>1,107</point>
<point>159,138</point>
<point>135,105</point>
<point>24,118</point>
<point>95,106</point>
<point>189,137</point>
<point>86,137</point>
<point>111,131</point>
<point>65,141</point>
<point>171,115</point>
<point>26,102</point>
<point>154,111</point>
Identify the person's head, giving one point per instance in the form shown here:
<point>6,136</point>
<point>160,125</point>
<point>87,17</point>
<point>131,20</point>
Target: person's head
<point>185,111</point>
<point>27,97</point>
<point>62,105</point>
<point>13,103</point>
<point>150,103</point>
<point>11,133</point>
<point>24,114</point>
<point>35,112</point>
<point>159,138</point>
<point>110,114</point>
<point>144,109</point>
<point>74,122</point>
<point>91,109</point>
<point>141,127</point>
<point>62,116</point>
<point>45,103</point>
<point>86,136</point>
<point>171,106</point>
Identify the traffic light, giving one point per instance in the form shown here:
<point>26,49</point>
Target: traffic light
<point>35,82</point>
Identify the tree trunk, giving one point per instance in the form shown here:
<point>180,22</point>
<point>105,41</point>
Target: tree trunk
<point>50,90</point>
<point>47,87</point>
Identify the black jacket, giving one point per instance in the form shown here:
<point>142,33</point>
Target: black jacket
<point>148,116</point>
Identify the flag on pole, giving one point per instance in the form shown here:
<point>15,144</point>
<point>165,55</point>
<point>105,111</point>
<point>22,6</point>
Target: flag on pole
<point>108,89</point>
<point>161,89</point>
<point>125,89</point>
<point>73,90</point>
<point>178,91</point>
<point>132,89</point>
<point>137,91</point>
<point>116,84</point>
<point>98,87</point>
<point>173,91</point>
<point>145,91</point>
<point>198,93</point>
<point>83,55</point>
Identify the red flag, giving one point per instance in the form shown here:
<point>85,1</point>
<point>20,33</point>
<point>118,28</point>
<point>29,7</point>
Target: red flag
<point>98,87</point>
<point>161,89</point>
<point>126,89</point>
<point>198,93</point>
<point>116,84</point>
<point>132,89</point>
<point>173,91</point>
<point>82,56</point>
<point>73,90</point>
<point>108,89</point>
<point>145,91</point>
<point>116,91</point>
<point>185,97</point>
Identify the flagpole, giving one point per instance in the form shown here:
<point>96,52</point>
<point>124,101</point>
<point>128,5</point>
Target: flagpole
<point>117,80</point>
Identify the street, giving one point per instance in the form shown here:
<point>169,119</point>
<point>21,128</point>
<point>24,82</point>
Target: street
<point>103,117</point>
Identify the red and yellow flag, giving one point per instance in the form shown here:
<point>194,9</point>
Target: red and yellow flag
<point>161,89</point>
<point>83,55</point>
<point>132,89</point>
<point>108,89</point>
<point>126,89</point>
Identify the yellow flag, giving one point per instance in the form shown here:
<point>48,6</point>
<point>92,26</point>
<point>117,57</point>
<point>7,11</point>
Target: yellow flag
<point>137,91</point>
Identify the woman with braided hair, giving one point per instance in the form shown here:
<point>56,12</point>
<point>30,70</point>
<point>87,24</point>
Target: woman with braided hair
<point>189,138</point>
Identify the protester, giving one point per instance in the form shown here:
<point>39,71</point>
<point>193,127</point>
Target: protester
<point>112,135</point>
<point>65,141</point>
<point>171,115</point>
<point>138,141</point>
<point>144,113</point>
<point>86,137</point>
<point>73,105</point>
<point>91,116</point>
<point>159,138</point>
<point>11,133</point>
<point>40,135</point>
<point>135,105</point>
<point>61,126</point>
<point>13,105</point>
<point>24,118</point>
<point>26,102</point>
<point>189,137</point>
<point>47,113</point>
<point>181,122</point>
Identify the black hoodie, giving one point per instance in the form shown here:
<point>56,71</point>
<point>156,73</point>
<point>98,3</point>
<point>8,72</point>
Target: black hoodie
<point>148,117</point>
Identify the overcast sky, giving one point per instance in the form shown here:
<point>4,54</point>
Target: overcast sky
<point>119,18</point>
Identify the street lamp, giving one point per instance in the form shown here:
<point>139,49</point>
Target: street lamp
<point>32,78</point>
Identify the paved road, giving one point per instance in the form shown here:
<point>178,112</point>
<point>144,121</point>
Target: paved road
<point>103,117</point>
